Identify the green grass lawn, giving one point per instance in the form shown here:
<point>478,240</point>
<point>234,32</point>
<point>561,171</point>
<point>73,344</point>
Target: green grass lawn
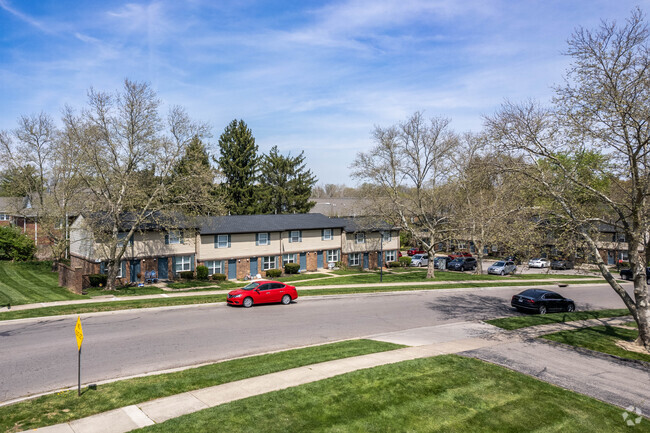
<point>517,322</point>
<point>601,339</point>
<point>66,406</point>
<point>420,275</point>
<point>441,394</point>
<point>29,282</point>
<point>300,277</point>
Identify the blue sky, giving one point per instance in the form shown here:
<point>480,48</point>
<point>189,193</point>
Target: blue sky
<point>304,75</point>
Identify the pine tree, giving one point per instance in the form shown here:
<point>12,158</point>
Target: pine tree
<point>285,185</point>
<point>238,164</point>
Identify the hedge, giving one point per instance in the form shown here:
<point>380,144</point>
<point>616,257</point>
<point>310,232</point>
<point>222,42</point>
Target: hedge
<point>291,268</point>
<point>186,275</point>
<point>219,277</point>
<point>273,273</point>
<point>202,272</point>
<point>98,280</point>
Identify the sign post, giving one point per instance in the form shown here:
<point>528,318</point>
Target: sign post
<point>79,332</point>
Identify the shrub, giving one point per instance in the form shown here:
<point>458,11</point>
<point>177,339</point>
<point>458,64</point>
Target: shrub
<point>340,265</point>
<point>202,272</point>
<point>219,277</point>
<point>405,261</point>
<point>186,275</point>
<point>355,268</point>
<point>291,268</point>
<point>273,273</point>
<point>394,264</point>
<point>97,280</point>
<point>15,245</point>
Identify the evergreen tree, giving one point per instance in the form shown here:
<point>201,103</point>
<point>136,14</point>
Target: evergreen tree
<point>193,179</point>
<point>285,184</point>
<point>238,164</point>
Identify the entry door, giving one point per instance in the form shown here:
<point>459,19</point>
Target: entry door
<point>135,270</point>
<point>232,269</point>
<point>303,261</point>
<point>163,268</point>
<point>379,260</point>
<point>319,260</point>
<point>366,261</point>
<point>254,266</point>
<point>610,258</point>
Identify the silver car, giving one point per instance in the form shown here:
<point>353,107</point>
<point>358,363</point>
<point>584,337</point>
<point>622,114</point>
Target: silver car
<point>420,260</point>
<point>502,267</point>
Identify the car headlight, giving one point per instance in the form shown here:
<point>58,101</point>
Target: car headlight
<point>236,296</point>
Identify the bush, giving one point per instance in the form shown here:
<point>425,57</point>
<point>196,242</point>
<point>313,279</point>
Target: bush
<point>405,261</point>
<point>186,275</point>
<point>273,273</point>
<point>202,272</point>
<point>97,280</point>
<point>14,245</point>
<point>291,268</point>
<point>340,265</point>
<point>395,264</point>
<point>219,277</point>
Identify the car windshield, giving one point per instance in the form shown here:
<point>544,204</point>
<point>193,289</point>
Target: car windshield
<point>417,256</point>
<point>499,264</point>
<point>250,286</point>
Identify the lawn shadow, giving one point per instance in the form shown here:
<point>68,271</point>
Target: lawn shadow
<point>474,307</point>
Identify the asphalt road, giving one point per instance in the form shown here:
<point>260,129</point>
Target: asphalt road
<point>41,355</point>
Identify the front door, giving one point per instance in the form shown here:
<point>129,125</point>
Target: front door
<point>163,268</point>
<point>135,270</point>
<point>254,266</point>
<point>303,262</point>
<point>366,261</point>
<point>232,269</point>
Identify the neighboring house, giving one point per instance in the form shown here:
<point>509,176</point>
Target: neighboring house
<point>18,212</point>
<point>237,246</point>
<point>341,207</point>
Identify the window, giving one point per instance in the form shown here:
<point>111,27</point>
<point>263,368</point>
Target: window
<point>386,236</point>
<point>4,217</point>
<point>262,239</point>
<point>268,263</point>
<point>215,267</point>
<point>495,248</point>
<point>391,256</point>
<point>360,238</point>
<point>289,258</point>
<point>333,255</point>
<point>622,255</point>
<point>174,236</point>
<point>354,259</point>
<point>295,236</point>
<point>120,239</point>
<point>222,241</point>
<point>183,263</point>
<point>119,270</point>
<point>327,235</point>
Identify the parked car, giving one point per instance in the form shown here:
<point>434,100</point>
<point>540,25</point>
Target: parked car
<point>538,263</point>
<point>414,251</point>
<point>515,259</point>
<point>440,262</point>
<point>626,274</point>
<point>420,260</point>
<point>502,267</point>
<point>541,301</point>
<point>462,264</point>
<point>561,264</point>
<point>262,292</point>
<point>458,254</point>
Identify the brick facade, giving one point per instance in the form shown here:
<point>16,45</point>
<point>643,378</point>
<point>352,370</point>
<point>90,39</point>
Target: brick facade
<point>312,261</point>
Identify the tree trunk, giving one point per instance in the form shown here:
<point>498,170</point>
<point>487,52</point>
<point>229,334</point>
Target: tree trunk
<point>111,275</point>
<point>431,273</point>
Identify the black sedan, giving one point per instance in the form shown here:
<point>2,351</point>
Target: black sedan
<point>542,301</point>
<point>462,264</point>
<point>626,274</point>
<point>561,264</point>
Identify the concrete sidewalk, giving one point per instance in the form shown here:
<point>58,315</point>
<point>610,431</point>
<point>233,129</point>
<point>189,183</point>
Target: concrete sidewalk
<point>552,285</point>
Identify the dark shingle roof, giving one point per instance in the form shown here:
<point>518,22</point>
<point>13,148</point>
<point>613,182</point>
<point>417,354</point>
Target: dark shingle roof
<point>266,223</point>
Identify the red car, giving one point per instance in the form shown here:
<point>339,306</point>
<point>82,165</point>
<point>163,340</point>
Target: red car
<point>458,254</point>
<point>262,292</point>
<point>414,251</point>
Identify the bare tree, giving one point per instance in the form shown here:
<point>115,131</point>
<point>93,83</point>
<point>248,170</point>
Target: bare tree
<point>589,153</point>
<point>126,155</point>
<point>407,172</point>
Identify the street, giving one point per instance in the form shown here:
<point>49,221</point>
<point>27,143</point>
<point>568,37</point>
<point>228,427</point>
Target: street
<point>41,355</point>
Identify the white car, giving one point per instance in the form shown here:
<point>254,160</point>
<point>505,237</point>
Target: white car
<point>538,263</point>
<point>420,260</point>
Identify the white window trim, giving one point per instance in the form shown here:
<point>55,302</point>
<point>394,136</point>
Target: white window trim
<point>289,258</point>
<point>392,257</point>
<point>354,259</point>
<point>214,267</point>
<point>269,262</point>
<point>333,256</point>
<point>360,238</point>
<point>267,239</point>
<point>119,270</point>
<point>181,263</point>
<point>220,242</point>
<point>174,237</point>
<point>4,217</point>
<point>295,239</point>
<point>387,236</point>
<point>328,234</point>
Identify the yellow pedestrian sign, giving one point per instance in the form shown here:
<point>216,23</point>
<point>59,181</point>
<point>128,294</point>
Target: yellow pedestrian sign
<point>79,332</point>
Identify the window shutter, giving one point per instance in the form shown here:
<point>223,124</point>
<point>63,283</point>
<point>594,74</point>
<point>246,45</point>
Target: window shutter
<point>102,268</point>
<point>322,234</point>
<point>174,265</point>
<point>300,236</point>
<point>123,269</point>
<point>131,241</point>
<point>166,238</point>
<point>228,241</point>
<point>216,243</point>
<point>181,234</point>
<point>192,262</point>
<point>290,237</point>
<point>257,239</point>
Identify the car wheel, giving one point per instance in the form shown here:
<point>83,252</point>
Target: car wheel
<point>542,309</point>
<point>570,308</point>
<point>248,302</point>
<point>286,299</point>
<point>502,273</point>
